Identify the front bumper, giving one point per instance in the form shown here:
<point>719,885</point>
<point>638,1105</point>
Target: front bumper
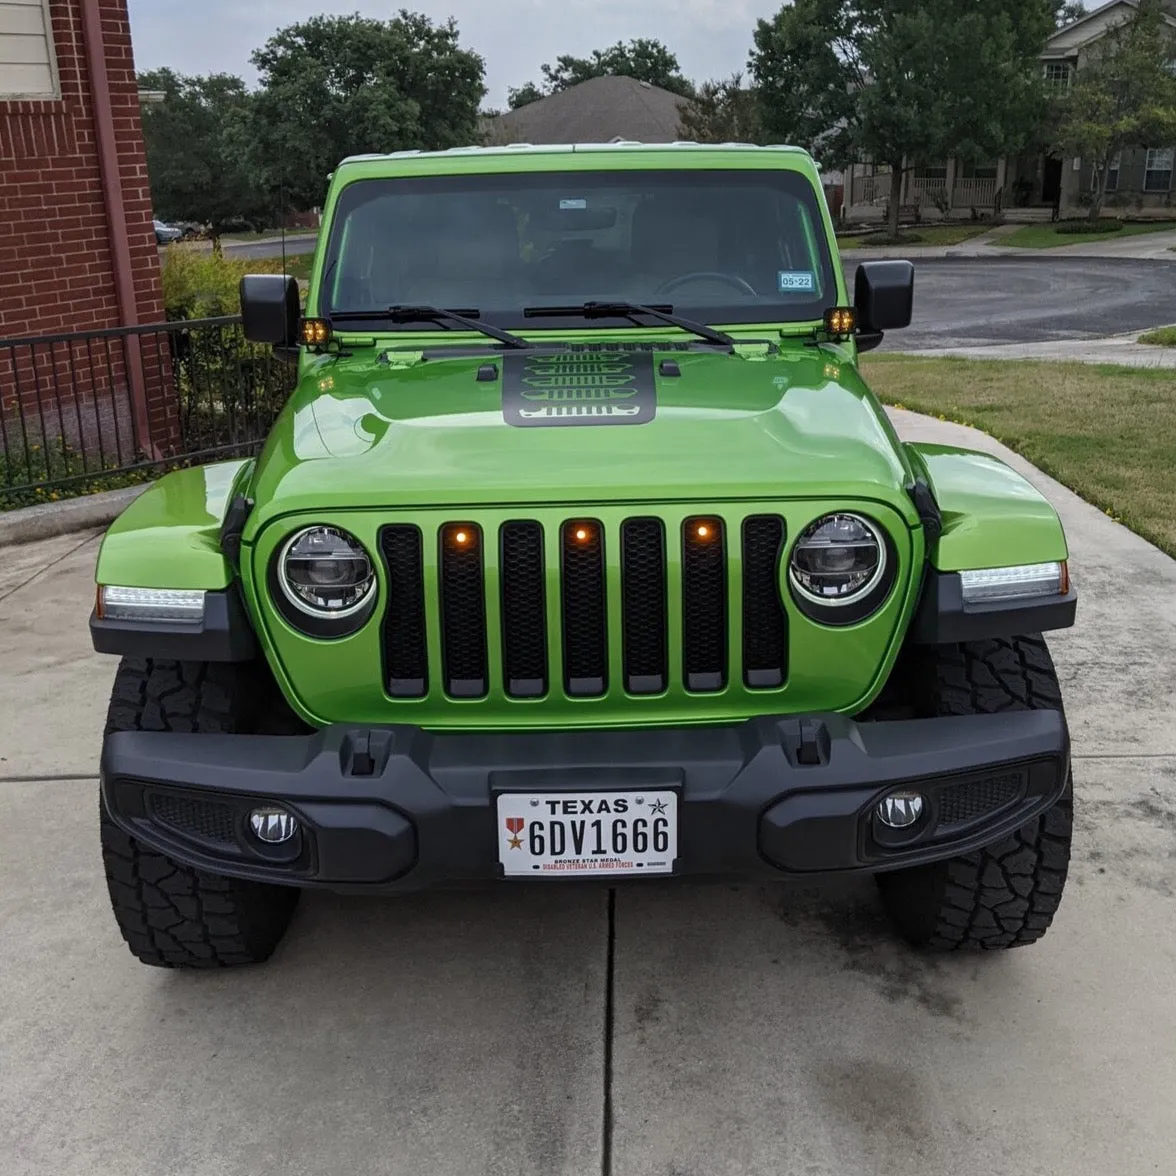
<point>398,808</point>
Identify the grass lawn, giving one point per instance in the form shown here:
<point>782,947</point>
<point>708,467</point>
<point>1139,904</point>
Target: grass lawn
<point>919,234</point>
<point>297,264</point>
<point>1048,237</point>
<point>1109,433</point>
<point>1162,337</point>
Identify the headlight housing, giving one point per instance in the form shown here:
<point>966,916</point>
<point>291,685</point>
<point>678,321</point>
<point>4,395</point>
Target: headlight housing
<point>841,568</point>
<point>323,581</point>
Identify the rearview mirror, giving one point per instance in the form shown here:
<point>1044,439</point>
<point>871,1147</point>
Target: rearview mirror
<point>884,296</point>
<point>270,309</point>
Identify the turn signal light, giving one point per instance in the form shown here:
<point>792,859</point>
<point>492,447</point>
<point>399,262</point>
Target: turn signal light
<point>840,321</point>
<point>315,332</point>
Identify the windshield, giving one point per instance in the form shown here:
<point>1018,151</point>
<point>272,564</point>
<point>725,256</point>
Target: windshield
<point>717,246</point>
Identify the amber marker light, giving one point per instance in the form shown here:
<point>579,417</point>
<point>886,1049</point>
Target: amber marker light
<point>840,320</point>
<point>461,537</point>
<point>704,531</point>
<point>315,332</point>
<point>582,534</point>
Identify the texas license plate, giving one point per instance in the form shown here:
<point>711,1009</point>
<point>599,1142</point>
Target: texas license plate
<point>587,833</point>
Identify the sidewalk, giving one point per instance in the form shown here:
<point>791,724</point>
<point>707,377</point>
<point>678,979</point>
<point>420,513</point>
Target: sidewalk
<point>1146,247</point>
<point>1115,349</point>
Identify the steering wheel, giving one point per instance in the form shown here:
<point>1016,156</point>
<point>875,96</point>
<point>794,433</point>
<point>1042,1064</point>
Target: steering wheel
<point>708,275</point>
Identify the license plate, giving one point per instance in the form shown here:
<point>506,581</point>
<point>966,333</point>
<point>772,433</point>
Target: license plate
<point>587,833</point>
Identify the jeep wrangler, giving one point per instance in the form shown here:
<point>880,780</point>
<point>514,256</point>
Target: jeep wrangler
<point>581,550</point>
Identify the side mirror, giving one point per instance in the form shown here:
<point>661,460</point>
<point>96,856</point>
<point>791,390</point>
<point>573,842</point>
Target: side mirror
<point>884,296</point>
<point>270,309</point>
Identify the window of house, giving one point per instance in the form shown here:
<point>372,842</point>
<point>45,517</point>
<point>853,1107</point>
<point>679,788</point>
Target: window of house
<point>28,65</point>
<point>1057,73</point>
<point>1157,175</point>
<point>1113,171</point>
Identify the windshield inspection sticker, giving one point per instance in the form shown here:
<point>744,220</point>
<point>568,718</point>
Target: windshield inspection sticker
<point>579,388</point>
<point>797,281</point>
<point>566,204</point>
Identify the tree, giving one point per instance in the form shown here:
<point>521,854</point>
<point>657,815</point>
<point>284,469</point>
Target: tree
<point>523,95</point>
<point>195,165</point>
<point>1123,95</point>
<point>902,81</point>
<point>1069,13</point>
<point>347,85</point>
<point>644,59</point>
<point>722,112</point>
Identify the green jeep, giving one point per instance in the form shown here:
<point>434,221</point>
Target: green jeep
<point>581,550</point>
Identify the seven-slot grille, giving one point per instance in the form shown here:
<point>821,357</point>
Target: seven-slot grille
<point>547,603</point>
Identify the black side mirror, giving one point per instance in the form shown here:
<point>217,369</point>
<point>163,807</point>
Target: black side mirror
<point>884,296</point>
<point>270,309</point>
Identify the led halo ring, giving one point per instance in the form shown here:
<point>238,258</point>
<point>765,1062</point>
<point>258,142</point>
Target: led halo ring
<point>862,592</point>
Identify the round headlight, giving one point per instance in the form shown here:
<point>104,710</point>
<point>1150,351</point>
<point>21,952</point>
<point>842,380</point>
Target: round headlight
<point>325,572</point>
<point>838,560</point>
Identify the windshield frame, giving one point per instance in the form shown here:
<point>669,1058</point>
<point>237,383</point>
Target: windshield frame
<point>735,315</point>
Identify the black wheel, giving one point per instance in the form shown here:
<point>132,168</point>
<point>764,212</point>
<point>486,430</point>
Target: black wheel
<point>172,916</point>
<point>1006,894</point>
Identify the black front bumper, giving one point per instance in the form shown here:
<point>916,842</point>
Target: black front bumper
<point>398,808</point>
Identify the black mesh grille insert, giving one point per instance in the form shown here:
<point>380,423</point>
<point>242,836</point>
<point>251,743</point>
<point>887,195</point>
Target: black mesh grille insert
<point>463,611</point>
<point>204,819</point>
<point>524,613</point>
<point>765,647</point>
<point>584,636</point>
<point>962,803</point>
<point>704,604</point>
<point>405,657</point>
<point>643,590</point>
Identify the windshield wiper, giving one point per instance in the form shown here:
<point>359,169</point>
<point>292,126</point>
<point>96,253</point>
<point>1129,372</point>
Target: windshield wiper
<point>631,310</point>
<point>433,314</point>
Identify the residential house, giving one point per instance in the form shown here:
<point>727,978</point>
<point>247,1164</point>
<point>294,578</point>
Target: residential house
<point>1037,185</point>
<point>600,110</point>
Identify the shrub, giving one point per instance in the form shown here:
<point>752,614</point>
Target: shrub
<point>201,284</point>
<point>1081,227</point>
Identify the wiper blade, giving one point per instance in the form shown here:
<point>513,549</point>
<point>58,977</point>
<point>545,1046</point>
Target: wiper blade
<point>467,318</point>
<point>630,310</point>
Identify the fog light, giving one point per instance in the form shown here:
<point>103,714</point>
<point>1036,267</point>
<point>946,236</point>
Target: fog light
<point>272,825</point>
<point>900,810</point>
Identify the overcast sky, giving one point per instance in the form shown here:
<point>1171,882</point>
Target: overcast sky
<point>710,37</point>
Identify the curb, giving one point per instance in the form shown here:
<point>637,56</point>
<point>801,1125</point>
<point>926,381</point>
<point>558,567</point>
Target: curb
<point>30,523</point>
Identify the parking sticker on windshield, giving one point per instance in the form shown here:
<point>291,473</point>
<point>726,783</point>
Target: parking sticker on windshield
<point>797,281</point>
<point>605,387</point>
<point>566,204</point>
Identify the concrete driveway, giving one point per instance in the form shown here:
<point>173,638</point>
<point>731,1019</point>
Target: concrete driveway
<point>661,1031</point>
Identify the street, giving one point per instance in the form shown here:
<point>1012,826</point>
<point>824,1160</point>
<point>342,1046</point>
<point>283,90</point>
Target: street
<point>667,1031</point>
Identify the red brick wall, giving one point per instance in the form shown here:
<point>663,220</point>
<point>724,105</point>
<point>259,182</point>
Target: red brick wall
<point>56,266</point>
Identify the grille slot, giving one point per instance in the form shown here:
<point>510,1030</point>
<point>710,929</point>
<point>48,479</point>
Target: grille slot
<point>643,593</point>
<point>463,611</point>
<point>524,613</point>
<point>585,639</point>
<point>765,634</point>
<point>704,604</point>
<point>202,819</point>
<point>405,656</point>
<point>960,804</point>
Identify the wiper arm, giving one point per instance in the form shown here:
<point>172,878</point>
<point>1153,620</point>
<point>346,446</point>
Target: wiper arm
<point>631,310</point>
<point>434,314</point>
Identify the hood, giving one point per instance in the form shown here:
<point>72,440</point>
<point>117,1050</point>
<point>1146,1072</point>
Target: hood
<point>588,425</point>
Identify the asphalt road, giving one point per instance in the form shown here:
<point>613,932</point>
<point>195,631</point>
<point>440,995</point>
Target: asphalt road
<point>972,302</point>
<point>270,248</point>
<point>667,1031</point>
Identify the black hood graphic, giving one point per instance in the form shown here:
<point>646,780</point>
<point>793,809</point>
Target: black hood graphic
<point>604,387</point>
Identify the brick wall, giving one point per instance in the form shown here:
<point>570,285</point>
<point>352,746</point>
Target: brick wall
<point>56,265</point>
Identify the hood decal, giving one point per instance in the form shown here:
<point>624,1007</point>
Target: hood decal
<point>606,387</point>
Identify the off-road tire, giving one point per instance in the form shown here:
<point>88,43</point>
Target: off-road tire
<point>170,915</point>
<point>1006,894</point>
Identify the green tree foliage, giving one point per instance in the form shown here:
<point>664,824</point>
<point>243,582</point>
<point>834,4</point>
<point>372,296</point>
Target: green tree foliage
<point>333,86</point>
<point>644,59</point>
<point>724,111</point>
<point>1123,95</point>
<point>902,81</point>
<point>1068,13</point>
<point>195,162</point>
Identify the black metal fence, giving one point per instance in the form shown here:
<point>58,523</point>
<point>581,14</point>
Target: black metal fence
<point>92,409</point>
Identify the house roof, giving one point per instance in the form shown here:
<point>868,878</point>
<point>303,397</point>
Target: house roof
<point>1081,32</point>
<point>596,111</point>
